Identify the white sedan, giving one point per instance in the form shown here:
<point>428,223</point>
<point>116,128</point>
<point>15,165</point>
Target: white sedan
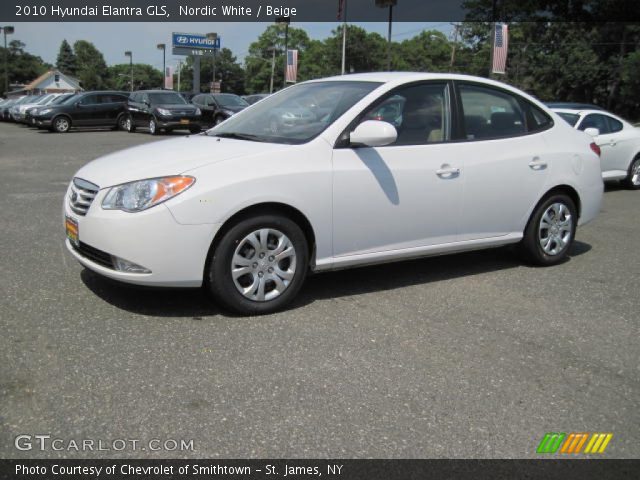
<point>383,167</point>
<point>618,140</point>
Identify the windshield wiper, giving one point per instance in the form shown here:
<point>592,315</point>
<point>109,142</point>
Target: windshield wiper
<point>240,136</point>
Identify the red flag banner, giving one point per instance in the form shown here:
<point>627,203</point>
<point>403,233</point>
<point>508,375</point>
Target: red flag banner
<point>292,66</point>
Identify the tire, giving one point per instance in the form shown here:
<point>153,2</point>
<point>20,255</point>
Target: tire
<point>261,268</point>
<point>61,124</point>
<point>153,126</point>
<point>129,125</point>
<point>121,123</point>
<point>559,213</point>
<point>218,120</point>
<point>632,181</point>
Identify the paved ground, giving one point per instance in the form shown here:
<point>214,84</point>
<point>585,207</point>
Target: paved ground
<point>471,355</point>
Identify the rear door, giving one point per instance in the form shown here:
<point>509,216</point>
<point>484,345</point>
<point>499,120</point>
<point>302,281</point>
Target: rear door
<point>506,161</point>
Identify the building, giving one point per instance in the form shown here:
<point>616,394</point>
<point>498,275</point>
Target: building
<point>54,81</point>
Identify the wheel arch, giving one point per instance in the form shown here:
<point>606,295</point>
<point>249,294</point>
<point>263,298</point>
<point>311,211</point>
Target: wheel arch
<point>266,208</point>
<point>62,114</point>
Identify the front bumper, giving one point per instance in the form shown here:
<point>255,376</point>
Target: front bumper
<point>178,122</point>
<point>42,121</point>
<point>174,253</point>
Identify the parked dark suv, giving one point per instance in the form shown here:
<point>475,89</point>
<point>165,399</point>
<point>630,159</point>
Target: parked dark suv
<point>217,107</point>
<point>160,110</point>
<point>87,109</point>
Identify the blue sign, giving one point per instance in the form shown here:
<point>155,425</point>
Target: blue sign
<point>194,41</point>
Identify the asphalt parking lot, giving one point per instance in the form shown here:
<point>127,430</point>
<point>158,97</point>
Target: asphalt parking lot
<point>465,356</point>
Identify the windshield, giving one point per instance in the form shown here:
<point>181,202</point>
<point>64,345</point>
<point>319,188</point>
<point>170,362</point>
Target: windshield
<point>44,100</point>
<point>166,99</point>
<point>230,101</point>
<point>296,114</point>
<point>62,98</point>
<point>571,118</point>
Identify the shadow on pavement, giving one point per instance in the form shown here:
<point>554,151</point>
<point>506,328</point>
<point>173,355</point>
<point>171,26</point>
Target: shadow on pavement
<point>194,303</point>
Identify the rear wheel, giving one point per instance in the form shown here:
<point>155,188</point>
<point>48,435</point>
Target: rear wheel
<point>122,123</point>
<point>259,265</point>
<point>633,177</point>
<point>550,231</point>
<point>61,124</point>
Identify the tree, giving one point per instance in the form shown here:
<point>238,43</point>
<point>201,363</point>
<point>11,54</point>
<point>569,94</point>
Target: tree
<point>92,69</point>
<point>144,77</point>
<point>228,71</point>
<point>66,61</point>
<point>22,66</point>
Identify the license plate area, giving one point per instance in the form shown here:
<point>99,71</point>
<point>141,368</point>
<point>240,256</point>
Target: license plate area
<point>72,229</point>
<point>184,121</point>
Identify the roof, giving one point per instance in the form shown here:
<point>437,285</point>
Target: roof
<point>34,84</point>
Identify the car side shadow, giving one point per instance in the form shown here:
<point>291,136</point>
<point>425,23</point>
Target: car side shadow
<point>194,303</point>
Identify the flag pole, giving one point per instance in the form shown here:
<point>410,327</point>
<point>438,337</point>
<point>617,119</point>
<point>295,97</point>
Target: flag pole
<point>344,36</point>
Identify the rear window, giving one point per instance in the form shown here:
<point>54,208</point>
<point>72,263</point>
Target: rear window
<point>570,118</point>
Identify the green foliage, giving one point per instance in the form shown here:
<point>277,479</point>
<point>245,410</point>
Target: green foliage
<point>92,69</point>
<point>144,77</point>
<point>22,67</point>
<point>66,61</point>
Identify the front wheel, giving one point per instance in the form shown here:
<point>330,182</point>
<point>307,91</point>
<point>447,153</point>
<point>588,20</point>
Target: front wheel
<point>550,231</point>
<point>122,123</point>
<point>633,177</point>
<point>153,127</point>
<point>259,265</point>
<point>61,125</point>
<point>129,126</point>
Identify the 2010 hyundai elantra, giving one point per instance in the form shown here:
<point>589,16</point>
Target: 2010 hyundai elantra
<point>375,168</point>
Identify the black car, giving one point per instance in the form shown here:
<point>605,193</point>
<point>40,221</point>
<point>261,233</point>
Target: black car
<point>255,97</point>
<point>217,107</point>
<point>30,112</point>
<point>161,110</point>
<point>87,109</point>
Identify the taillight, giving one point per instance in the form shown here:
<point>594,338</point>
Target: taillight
<point>595,148</point>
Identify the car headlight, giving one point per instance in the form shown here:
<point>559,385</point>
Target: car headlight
<point>142,194</point>
<point>164,111</point>
<point>228,112</point>
<point>43,112</point>
<point>198,112</point>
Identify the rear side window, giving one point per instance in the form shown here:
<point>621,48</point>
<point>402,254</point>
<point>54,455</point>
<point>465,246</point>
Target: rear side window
<point>490,113</point>
<point>537,119</point>
<point>595,120</point>
<point>614,125</point>
<point>571,118</point>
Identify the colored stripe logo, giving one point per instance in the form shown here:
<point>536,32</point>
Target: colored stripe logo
<point>573,443</point>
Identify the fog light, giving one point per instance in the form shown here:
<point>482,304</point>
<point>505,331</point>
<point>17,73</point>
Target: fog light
<point>122,265</point>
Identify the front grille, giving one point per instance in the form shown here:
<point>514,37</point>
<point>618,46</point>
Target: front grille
<point>93,254</point>
<point>81,195</point>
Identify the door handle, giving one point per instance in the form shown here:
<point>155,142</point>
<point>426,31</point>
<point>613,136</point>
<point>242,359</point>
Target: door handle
<point>612,143</point>
<point>446,171</point>
<point>537,164</point>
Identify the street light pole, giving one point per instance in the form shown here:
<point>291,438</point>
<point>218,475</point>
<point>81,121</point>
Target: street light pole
<point>273,67</point>
<point>390,4</point>
<point>213,36</point>
<point>163,47</point>
<point>7,30</point>
<point>130,55</point>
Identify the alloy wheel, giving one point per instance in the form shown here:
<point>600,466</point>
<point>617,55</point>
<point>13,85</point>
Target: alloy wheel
<point>263,264</point>
<point>152,126</point>
<point>555,229</point>
<point>635,172</point>
<point>62,124</point>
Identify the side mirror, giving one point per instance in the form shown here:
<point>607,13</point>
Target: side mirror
<point>592,132</point>
<point>373,133</point>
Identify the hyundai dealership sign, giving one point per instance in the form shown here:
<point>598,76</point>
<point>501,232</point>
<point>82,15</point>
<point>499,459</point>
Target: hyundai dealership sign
<point>193,44</point>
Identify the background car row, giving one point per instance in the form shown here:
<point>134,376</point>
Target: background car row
<point>155,111</point>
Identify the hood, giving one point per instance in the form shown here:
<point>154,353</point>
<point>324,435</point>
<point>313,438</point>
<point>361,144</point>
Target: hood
<point>234,108</point>
<point>169,157</point>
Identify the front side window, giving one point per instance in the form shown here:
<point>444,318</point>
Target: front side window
<point>490,113</point>
<point>420,113</point>
<point>595,120</point>
<point>296,114</point>
<point>89,100</point>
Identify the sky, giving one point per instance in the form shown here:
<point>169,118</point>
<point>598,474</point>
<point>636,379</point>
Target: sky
<point>112,39</point>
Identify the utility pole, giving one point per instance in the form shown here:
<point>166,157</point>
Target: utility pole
<point>163,47</point>
<point>213,36</point>
<point>7,30</point>
<point>453,45</point>
<point>390,4</point>
<point>285,21</point>
<point>129,54</point>
<point>273,67</point>
<point>344,36</point>
<point>179,71</point>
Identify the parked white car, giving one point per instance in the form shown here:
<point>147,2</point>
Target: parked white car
<point>618,140</point>
<point>468,163</point>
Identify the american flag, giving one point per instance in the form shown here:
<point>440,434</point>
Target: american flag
<point>292,66</point>
<point>168,78</point>
<point>500,45</point>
